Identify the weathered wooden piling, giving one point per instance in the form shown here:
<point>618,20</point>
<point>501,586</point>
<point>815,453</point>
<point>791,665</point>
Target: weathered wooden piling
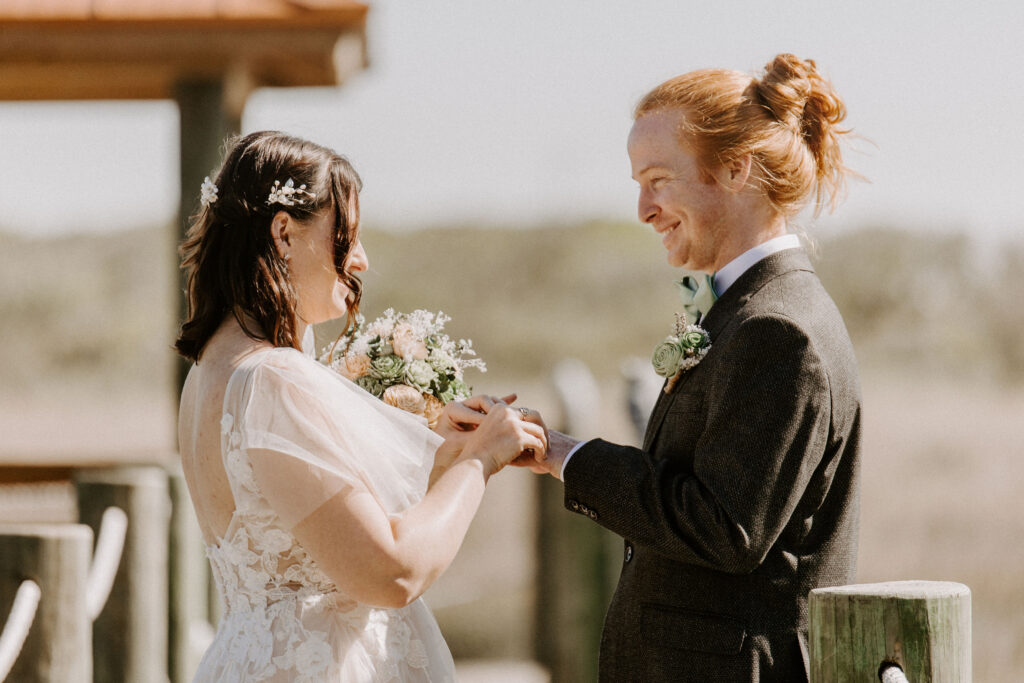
<point>130,633</point>
<point>924,627</point>
<point>577,560</point>
<point>190,629</point>
<point>56,557</point>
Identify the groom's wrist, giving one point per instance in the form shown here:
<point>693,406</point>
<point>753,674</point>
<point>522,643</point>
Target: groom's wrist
<point>560,446</point>
<point>568,457</point>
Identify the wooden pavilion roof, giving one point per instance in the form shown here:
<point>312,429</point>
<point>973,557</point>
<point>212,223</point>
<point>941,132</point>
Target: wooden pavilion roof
<point>141,49</point>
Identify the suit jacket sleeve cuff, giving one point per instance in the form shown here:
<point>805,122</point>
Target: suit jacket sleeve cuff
<point>568,457</point>
<point>598,480</point>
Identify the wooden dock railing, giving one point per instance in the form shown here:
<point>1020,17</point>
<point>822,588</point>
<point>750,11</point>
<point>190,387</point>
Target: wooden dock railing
<point>58,593</point>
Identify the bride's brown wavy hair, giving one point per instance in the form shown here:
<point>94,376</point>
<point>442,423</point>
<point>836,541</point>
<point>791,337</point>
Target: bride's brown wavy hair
<point>231,262</point>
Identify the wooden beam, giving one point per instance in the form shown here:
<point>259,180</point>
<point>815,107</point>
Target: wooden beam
<point>146,64</point>
<point>337,12</point>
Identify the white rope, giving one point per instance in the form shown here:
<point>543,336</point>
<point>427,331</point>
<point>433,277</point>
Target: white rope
<point>23,613</point>
<point>105,560</point>
<point>892,674</point>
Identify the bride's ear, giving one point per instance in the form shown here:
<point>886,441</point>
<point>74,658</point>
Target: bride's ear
<point>280,227</point>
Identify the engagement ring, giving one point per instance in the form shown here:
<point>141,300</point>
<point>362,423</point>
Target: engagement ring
<point>524,413</point>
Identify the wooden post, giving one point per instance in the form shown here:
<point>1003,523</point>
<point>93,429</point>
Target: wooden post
<point>204,125</point>
<point>56,556</point>
<point>922,626</point>
<point>130,633</point>
<point>206,122</point>
<point>574,579</point>
<point>189,627</point>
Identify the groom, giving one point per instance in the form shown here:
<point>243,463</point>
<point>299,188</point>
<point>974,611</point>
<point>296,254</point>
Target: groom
<point>744,495</point>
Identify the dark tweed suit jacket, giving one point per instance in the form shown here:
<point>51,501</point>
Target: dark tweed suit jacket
<point>744,496</point>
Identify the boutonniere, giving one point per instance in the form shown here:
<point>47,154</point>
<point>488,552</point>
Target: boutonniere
<point>680,351</point>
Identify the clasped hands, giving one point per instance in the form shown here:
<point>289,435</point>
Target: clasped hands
<point>493,430</point>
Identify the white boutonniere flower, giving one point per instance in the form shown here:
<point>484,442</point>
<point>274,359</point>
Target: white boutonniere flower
<point>680,351</point>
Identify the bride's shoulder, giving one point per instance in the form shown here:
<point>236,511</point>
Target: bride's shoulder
<point>273,365</point>
<point>276,371</point>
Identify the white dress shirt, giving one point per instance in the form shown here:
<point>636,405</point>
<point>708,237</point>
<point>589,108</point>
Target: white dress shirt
<point>724,279</point>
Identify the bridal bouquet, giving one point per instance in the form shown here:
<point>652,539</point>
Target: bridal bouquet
<point>406,360</point>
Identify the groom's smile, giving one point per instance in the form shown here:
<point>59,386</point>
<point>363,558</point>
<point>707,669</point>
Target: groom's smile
<point>677,198</point>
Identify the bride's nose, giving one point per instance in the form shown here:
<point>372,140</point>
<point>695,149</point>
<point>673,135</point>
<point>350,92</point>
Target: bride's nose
<point>357,260</point>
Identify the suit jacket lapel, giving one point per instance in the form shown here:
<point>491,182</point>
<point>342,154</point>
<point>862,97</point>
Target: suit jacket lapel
<point>657,415</point>
<point>756,277</point>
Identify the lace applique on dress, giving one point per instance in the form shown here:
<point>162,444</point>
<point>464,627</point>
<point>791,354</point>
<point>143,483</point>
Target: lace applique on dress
<point>285,620</point>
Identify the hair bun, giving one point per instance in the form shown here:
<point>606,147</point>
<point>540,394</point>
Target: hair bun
<point>798,96</point>
<point>785,89</point>
<point>801,99</point>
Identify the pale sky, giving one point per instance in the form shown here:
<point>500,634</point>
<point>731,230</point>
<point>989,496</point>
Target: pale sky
<point>516,112</point>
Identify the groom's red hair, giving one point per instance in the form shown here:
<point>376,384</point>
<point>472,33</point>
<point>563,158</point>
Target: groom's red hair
<point>787,120</point>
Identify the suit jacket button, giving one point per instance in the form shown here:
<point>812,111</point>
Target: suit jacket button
<point>592,515</point>
<point>574,505</point>
<point>629,552</point>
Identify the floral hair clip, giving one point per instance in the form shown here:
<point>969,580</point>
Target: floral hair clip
<point>207,192</point>
<point>288,194</point>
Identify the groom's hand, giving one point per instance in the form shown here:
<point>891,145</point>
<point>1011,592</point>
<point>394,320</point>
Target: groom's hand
<point>551,461</point>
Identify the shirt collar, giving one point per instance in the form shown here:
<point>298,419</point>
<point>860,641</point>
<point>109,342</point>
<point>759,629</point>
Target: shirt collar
<point>732,271</point>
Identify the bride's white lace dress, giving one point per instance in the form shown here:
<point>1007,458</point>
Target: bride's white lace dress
<point>293,434</point>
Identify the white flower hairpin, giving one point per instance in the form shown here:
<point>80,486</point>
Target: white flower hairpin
<point>207,192</point>
<point>288,194</point>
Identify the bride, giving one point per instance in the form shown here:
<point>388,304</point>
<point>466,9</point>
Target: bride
<point>326,513</point>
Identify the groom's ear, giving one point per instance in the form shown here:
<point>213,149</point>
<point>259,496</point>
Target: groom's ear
<point>737,172</point>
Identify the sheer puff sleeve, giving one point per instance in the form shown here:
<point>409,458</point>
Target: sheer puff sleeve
<point>308,434</point>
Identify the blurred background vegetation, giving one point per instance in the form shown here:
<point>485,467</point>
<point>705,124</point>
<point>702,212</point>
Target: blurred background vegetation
<point>100,309</point>
<point>936,319</point>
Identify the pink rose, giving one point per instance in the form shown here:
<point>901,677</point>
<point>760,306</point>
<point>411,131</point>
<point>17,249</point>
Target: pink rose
<point>406,344</point>
<point>355,365</point>
<point>433,410</point>
<point>406,398</point>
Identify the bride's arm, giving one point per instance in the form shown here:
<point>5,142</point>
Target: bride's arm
<point>391,562</point>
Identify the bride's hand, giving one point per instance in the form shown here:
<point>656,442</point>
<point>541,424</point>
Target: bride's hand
<point>530,459</point>
<point>459,417</point>
<point>502,436</point>
<point>457,422</point>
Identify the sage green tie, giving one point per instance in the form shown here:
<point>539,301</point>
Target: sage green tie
<point>697,290</point>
